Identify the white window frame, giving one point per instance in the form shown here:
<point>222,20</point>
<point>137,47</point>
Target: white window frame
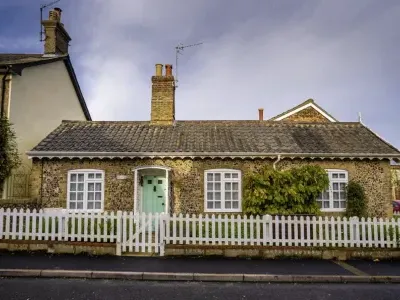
<point>85,190</point>
<point>330,188</point>
<point>223,181</point>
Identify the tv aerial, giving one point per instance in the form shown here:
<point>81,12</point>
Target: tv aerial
<point>42,7</point>
<point>179,51</point>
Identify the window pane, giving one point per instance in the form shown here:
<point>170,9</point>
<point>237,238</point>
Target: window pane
<point>326,204</point>
<point>228,204</point>
<point>80,187</point>
<point>335,175</point>
<point>73,177</point>
<point>342,186</point>
<point>79,205</point>
<point>72,196</point>
<point>97,196</point>
<point>342,195</point>
<point>91,186</point>
<point>325,195</point>
<point>335,204</point>
<point>227,195</point>
<point>319,204</point>
<point>72,187</point>
<point>218,204</point>
<point>217,195</point>
<point>210,196</point>
<point>235,175</point>
<point>80,196</point>
<point>227,186</point>
<point>149,182</point>
<point>335,195</point>
<point>235,196</point>
<point>210,176</point>
<point>209,186</point>
<point>342,175</point>
<point>98,175</point>
<point>97,205</point>
<point>90,196</point>
<point>98,186</point>
<point>235,186</point>
<point>160,181</point>
<point>235,204</point>
<point>90,205</point>
<point>342,204</point>
<point>81,177</point>
<point>335,186</point>
<point>217,177</point>
<point>72,205</point>
<point>227,175</point>
<point>210,204</point>
<point>217,186</point>
<point>91,175</point>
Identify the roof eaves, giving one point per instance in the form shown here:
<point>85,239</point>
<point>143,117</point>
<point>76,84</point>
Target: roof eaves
<point>66,154</point>
<point>77,88</point>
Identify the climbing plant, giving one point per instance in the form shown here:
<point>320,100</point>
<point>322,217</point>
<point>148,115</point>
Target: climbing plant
<point>356,206</point>
<point>9,156</point>
<point>293,191</point>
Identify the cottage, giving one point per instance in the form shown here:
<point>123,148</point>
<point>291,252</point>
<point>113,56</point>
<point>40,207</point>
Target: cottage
<point>165,165</point>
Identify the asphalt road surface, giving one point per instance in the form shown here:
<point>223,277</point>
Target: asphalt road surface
<point>59,289</point>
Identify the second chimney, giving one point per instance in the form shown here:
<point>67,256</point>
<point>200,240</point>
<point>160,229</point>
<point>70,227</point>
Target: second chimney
<point>261,114</point>
<point>56,37</point>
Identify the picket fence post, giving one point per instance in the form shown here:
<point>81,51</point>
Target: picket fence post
<point>118,250</point>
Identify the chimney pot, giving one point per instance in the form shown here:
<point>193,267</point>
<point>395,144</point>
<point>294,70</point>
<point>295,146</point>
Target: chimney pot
<point>261,114</point>
<point>159,69</point>
<point>168,70</point>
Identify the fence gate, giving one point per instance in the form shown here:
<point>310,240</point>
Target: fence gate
<point>142,233</point>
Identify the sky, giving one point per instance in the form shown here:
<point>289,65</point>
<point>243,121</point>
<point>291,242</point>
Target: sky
<point>271,54</point>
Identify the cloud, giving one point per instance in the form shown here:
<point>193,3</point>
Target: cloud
<point>255,54</point>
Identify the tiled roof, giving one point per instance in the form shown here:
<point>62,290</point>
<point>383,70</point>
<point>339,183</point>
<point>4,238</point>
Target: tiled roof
<point>10,58</point>
<point>207,137</point>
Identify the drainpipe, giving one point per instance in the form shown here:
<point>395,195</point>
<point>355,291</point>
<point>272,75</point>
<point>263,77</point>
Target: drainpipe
<point>275,162</point>
<point>3,90</point>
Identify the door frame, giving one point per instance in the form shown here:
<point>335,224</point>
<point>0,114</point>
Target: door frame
<point>138,208</point>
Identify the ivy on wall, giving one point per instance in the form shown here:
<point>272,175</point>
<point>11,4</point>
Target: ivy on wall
<point>293,191</point>
<point>9,156</point>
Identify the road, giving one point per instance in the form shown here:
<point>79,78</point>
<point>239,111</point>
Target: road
<point>60,289</point>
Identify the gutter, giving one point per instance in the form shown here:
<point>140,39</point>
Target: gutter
<point>3,89</point>
<point>66,154</point>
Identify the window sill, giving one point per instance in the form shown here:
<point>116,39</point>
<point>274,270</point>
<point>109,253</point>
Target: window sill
<point>222,211</point>
<point>333,210</point>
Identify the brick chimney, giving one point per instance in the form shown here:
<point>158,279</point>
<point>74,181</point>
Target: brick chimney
<point>163,96</point>
<point>261,114</point>
<point>57,38</point>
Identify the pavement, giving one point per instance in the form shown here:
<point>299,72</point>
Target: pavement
<point>23,264</point>
<point>78,289</point>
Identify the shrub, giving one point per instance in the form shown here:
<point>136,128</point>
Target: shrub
<point>356,206</point>
<point>284,192</point>
<point>9,156</point>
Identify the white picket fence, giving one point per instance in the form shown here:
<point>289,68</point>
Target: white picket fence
<point>282,231</point>
<point>151,232</point>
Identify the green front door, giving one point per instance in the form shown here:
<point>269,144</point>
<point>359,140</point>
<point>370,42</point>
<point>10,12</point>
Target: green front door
<point>154,194</point>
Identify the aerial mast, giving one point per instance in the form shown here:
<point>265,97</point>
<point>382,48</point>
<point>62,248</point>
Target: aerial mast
<point>179,50</point>
<point>42,7</point>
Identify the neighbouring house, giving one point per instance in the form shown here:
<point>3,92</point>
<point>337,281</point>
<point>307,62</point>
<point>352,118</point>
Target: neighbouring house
<point>165,165</point>
<point>38,91</point>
